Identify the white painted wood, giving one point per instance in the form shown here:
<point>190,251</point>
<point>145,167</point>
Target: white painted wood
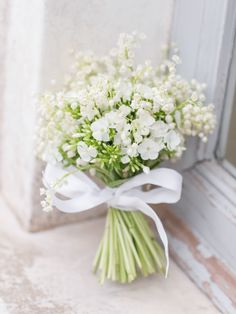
<point>223,37</point>
<point>199,260</point>
<point>216,175</point>
<point>185,33</point>
<point>229,167</point>
<point>40,35</point>
<point>228,106</point>
<point>199,273</point>
<point>208,206</point>
<point>204,32</point>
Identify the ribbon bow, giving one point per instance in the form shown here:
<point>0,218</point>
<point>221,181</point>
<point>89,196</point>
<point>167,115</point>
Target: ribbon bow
<point>82,193</point>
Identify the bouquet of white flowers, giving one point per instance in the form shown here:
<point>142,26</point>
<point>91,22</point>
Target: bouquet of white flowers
<point>118,121</point>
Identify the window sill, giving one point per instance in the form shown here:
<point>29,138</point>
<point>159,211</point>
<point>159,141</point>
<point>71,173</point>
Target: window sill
<point>201,230</point>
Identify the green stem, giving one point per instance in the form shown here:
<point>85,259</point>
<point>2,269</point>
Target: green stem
<point>128,245</point>
<point>142,226</point>
<point>128,248</point>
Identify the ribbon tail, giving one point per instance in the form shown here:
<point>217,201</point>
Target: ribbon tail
<point>130,203</point>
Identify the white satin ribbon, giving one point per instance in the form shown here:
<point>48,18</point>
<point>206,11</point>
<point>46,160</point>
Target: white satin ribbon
<point>82,193</point>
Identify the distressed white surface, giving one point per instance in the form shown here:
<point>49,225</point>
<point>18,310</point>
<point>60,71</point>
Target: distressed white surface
<point>50,272</point>
<point>208,206</point>
<point>23,53</point>
<point>204,33</point>
<point>40,35</point>
<point>201,276</point>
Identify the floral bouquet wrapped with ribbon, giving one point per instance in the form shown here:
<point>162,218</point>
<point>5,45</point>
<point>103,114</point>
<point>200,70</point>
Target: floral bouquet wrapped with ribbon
<point>118,121</point>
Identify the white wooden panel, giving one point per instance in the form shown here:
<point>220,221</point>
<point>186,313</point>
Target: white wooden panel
<point>228,106</point>
<point>203,31</point>
<point>216,57</point>
<point>208,206</point>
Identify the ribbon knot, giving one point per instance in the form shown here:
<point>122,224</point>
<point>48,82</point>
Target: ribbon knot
<point>82,193</point>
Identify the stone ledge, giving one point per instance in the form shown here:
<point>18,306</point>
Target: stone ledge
<point>50,272</point>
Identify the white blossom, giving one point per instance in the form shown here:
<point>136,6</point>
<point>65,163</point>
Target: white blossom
<point>172,139</point>
<point>149,149</point>
<point>112,110</point>
<point>159,129</point>
<point>100,130</point>
<point>132,150</point>
<point>146,169</point>
<point>86,152</point>
<point>125,159</point>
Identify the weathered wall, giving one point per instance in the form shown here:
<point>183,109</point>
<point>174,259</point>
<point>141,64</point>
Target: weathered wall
<point>40,34</point>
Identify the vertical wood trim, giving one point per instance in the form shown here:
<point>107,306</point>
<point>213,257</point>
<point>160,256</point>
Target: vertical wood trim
<point>228,105</point>
<point>204,32</point>
<point>185,33</point>
<point>222,36</point>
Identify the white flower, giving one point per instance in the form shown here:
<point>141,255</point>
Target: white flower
<point>124,111</point>
<point>71,153</point>
<point>100,130</point>
<point>119,102</point>
<point>125,159</point>
<point>141,126</point>
<point>176,59</point>
<point>169,119</point>
<point>178,118</point>
<point>134,104</point>
<point>149,149</point>
<point>66,147</point>
<point>123,127</point>
<point>47,202</point>
<point>172,140</point>
<point>132,150</point>
<point>124,88</point>
<point>88,111</point>
<point>145,118</point>
<point>123,134</point>
<point>145,104</point>
<point>159,129</point>
<point>138,137</point>
<point>146,169</point>
<point>74,105</point>
<point>112,118</point>
<point>86,152</point>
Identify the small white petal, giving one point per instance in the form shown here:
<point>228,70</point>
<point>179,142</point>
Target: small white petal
<point>125,159</point>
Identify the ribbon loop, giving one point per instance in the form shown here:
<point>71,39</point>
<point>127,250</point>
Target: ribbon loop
<point>82,193</point>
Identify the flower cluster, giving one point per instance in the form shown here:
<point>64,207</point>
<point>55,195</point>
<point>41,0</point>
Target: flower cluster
<point>117,118</point>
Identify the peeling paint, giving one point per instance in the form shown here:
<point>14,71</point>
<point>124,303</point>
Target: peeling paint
<point>199,262</point>
<point>204,250</point>
<point>199,273</point>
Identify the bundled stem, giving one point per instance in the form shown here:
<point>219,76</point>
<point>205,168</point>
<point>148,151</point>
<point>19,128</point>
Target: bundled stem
<point>128,248</point>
